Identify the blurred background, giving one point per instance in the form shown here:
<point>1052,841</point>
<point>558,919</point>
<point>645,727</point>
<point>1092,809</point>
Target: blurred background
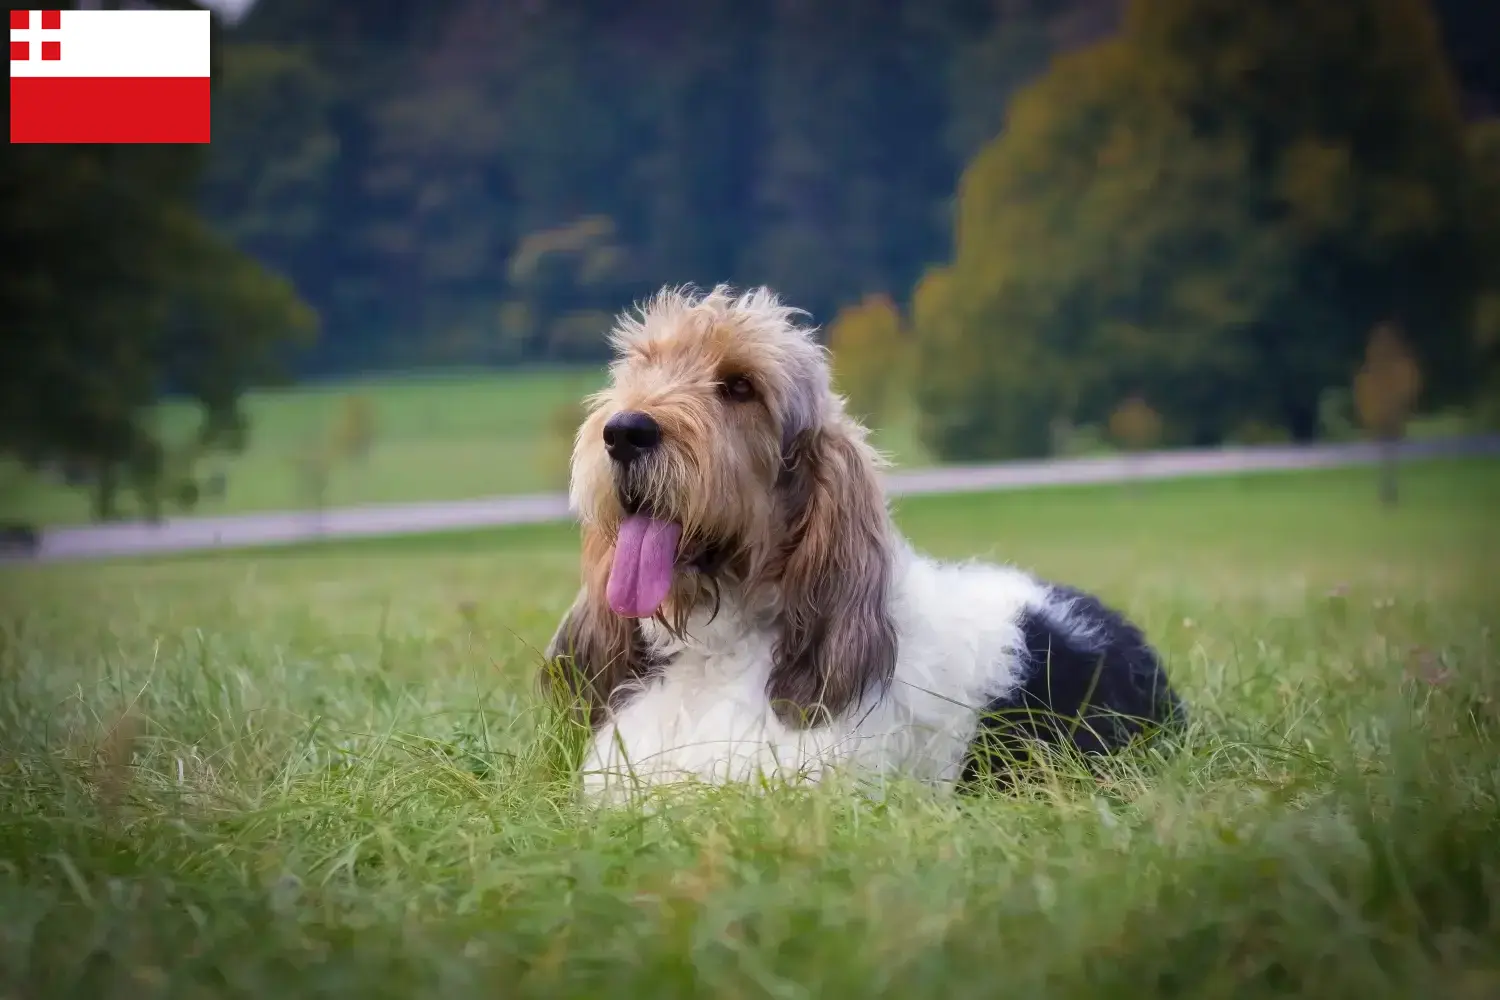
<point>1028,228</point>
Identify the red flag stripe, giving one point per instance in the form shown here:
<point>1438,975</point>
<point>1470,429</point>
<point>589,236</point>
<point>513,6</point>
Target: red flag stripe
<point>109,109</point>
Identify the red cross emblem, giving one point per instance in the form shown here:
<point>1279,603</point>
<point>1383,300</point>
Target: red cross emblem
<point>20,21</point>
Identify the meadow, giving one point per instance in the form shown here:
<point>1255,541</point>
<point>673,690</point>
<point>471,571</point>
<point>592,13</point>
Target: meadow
<point>323,771</point>
<point>436,437</point>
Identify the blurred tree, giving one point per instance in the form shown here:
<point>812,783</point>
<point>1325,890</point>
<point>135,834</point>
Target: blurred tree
<point>979,396</point>
<point>1254,431</point>
<point>1134,425</point>
<point>1337,420</point>
<point>579,335</point>
<point>556,454</point>
<point>854,160</point>
<point>690,153</point>
<point>117,292</point>
<point>1385,391</point>
<point>1484,214</point>
<point>870,357</point>
<point>1487,340</point>
<point>306,87</point>
<point>1472,33</point>
<point>313,470</point>
<point>558,274</point>
<point>1212,208</point>
<point>391,157</point>
<point>444,190</point>
<point>997,47</point>
<point>271,180</point>
<point>354,430</point>
<point>1085,263</point>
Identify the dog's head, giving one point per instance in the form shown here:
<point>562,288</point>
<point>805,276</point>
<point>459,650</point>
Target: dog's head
<point>718,457</point>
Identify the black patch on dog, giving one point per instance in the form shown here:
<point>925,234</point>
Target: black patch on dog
<point>1090,680</point>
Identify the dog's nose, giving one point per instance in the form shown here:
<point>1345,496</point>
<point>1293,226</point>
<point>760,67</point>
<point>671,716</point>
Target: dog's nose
<point>629,435</point>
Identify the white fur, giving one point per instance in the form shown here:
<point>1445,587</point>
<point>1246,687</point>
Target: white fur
<point>706,716</point>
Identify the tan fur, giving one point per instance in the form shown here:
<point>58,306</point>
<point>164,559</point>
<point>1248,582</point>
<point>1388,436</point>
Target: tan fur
<point>785,487</point>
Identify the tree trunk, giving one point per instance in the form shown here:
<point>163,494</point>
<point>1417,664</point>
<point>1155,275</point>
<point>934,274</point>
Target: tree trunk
<point>1301,420</point>
<point>151,502</point>
<point>106,491</point>
<point>1388,494</point>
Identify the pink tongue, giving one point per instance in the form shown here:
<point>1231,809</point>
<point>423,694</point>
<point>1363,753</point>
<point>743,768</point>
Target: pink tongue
<point>642,573</point>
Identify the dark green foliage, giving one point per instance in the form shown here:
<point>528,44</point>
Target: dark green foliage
<point>116,291</point>
<point>1213,209</point>
<point>1484,145</point>
<point>463,181</point>
<point>399,161</point>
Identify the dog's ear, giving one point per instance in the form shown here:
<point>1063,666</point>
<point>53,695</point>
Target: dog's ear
<point>594,650</point>
<point>837,638</point>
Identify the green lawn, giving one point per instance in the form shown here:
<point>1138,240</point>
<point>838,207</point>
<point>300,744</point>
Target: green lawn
<point>437,438</point>
<point>321,772</point>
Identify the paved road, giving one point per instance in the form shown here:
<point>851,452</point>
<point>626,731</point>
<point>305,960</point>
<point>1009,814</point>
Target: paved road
<point>287,528</point>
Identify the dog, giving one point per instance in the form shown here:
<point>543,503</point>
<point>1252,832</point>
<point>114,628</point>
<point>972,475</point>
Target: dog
<point>748,611</point>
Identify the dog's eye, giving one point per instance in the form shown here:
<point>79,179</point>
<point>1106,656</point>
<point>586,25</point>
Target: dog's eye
<point>738,388</point>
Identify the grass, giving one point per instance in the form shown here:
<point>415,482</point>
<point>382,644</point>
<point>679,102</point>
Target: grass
<point>437,438</point>
<point>321,772</point>
<point>452,437</point>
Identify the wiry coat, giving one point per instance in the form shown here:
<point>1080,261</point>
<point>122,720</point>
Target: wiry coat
<point>801,631</point>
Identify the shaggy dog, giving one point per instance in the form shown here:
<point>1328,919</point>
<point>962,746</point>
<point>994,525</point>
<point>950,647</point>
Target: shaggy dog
<point>749,611</point>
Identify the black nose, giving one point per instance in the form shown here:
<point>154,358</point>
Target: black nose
<point>630,435</point>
